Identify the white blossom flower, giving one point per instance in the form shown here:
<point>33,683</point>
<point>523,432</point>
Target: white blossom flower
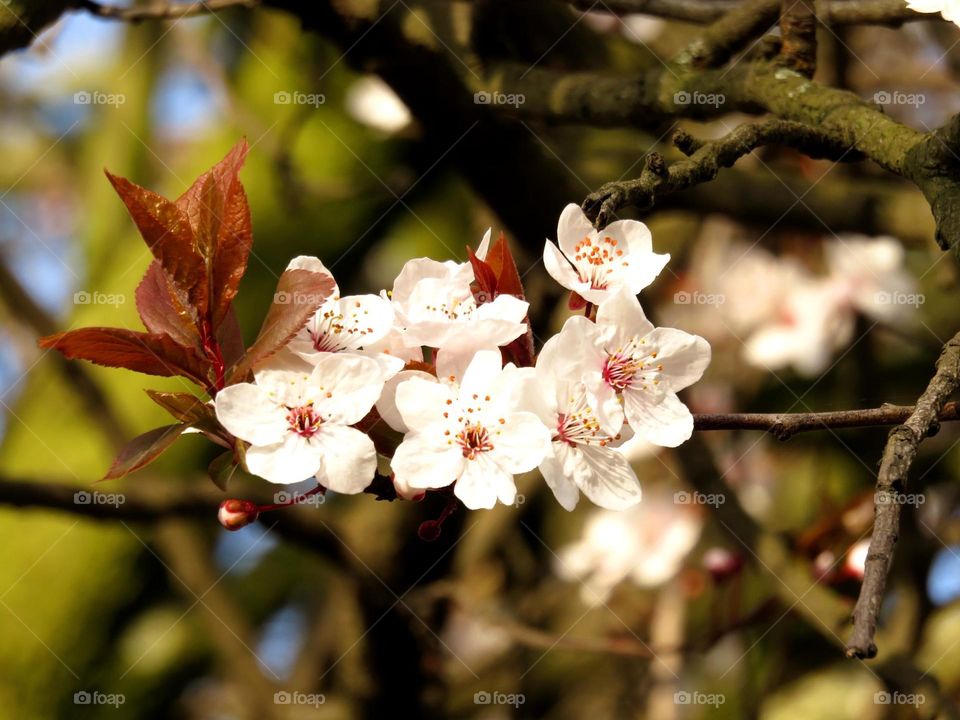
<point>632,369</point>
<point>646,543</point>
<point>870,275</point>
<point>359,324</point>
<point>435,307</point>
<point>469,431</point>
<point>596,264</point>
<point>812,323</point>
<point>297,420</point>
<point>949,9</point>
<point>581,456</point>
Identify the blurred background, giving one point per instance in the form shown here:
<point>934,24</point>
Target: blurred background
<point>724,594</point>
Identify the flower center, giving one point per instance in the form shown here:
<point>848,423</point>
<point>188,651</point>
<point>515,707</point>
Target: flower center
<point>628,366</point>
<point>334,331</point>
<point>304,420</point>
<point>474,439</point>
<point>578,424</point>
<point>595,258</point>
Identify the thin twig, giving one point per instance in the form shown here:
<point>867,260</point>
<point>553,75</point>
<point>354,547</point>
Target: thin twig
<point>785,425</point>
<point>898,455</point>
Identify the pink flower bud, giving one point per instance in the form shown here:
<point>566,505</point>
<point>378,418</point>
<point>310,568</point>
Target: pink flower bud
<point>235,514</point>
<point>722,564</point>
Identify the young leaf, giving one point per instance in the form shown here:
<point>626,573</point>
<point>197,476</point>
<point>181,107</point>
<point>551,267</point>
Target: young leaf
<point>164,308</point>
<point>500,259</point>
<point>222,468</point>
<point>184,407</point>
<point>299,294</point>
<point>219,216</point>
<point>485,277</point>
<point>168,234</point>
<point>150,353</point>
<point>143,450</point>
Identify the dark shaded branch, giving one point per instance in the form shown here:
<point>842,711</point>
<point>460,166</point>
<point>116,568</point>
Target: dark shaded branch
<point>786,425</point>
<point>838,12</point>
<point>731,33</point>
<point>898,456</point>
<point>704,163</point>
<point>798,35</point>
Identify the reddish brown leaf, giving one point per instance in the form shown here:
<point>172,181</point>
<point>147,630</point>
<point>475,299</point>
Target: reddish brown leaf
<point>168,234</point>
<point>230,338</point>
<point>501,261</point>
<point>150,353</point>
<point>299,294</point>
<point>164,308</point>
<point>219,215</point>
<point>143,450</point>
<point>222,468</point>
<point>485,277</point>
<point>184,407</point>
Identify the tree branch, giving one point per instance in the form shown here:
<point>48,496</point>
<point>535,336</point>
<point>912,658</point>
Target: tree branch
<point>786,425</point>
<point>731,33</point>
<point>704,163</point>
<point>798,34</point>
<point>898,456</point>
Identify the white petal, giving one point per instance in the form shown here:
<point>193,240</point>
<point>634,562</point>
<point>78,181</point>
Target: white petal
<point>421,402</point>
<point>606,477</point>
<point>573,227</point>
<point>520,443</point>
<point>348,461</point>
<point>484,246</point>
<point>346,386</point>
<point>623,316</point>
<point>481,374</point>
<point>387,403</point>
<point>286,379</point>
<point>451,364</point>
<point>292,460</point>
<point>559,480</point>
<point>424,460</point>
<point>684,356</point>
<point>577,348</point>
<point>483,483</point>
<point>662,420</point>
<point>248,413</point>
<point>561,270</point>
<point>423,268</point>
<point>643,270</point>
<point>504,307</point>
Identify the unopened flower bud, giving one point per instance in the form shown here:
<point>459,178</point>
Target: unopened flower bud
<point>722,564</point>
<point>235,514</point>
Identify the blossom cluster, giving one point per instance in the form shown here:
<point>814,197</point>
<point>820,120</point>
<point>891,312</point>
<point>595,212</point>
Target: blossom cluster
<point>785,315</point>
<point>428,360</point>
